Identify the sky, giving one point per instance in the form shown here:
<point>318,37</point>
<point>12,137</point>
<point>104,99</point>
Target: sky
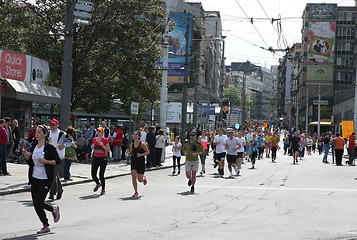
<point>241,34</point>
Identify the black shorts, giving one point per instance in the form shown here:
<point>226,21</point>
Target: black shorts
<point>240,154</point>
<point>138,164</point>
<point>231,158</point>
<point>219,157</point>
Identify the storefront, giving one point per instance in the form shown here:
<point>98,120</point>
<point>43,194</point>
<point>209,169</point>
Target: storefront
<point>22,82</point>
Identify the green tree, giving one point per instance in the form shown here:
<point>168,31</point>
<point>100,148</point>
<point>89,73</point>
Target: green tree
<point>113,58</point>
<point>232,95</point>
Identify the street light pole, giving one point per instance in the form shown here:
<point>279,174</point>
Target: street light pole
<point>244,100</point>
<point>163,91</point>
<point>184,90</point>
<point>67,67</point>
<point>319,113</point>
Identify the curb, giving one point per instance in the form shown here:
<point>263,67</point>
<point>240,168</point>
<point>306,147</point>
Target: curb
<point>28,188</point>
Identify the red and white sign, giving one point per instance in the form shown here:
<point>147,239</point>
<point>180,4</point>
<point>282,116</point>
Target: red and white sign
<point>22,67</point>
<point>13,65</point>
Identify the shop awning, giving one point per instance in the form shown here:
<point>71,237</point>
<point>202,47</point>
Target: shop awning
<point>321,124</point>
<point>35,92</point>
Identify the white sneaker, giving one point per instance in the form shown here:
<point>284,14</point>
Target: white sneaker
<point>237,171</point>
<point>44,229</point>
<point>231,175</point>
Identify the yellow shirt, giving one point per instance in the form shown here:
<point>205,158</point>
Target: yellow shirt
<point>275,141</point>
<point>268,139</point>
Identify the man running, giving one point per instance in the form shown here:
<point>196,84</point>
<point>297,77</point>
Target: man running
<point>232,145</point>
<point>275,139</point>
<point>294,146</point>
<point>240,152</point>
<point>219,141</point>
<point>192,150</point>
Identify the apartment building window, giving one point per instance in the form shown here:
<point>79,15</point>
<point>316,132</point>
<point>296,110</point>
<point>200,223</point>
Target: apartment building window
<point>340,16</point>
<point>339,61</point>
<point>349,16</point>
<point>338,76</point>
<point>339,46</point>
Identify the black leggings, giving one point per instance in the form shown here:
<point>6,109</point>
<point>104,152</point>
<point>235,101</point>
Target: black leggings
<point>254,156</point>
<point>39,190</point>
<point>102,163</point>
<point>178,162</point>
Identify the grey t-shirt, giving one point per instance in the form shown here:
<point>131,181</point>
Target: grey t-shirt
<point>232,144</point>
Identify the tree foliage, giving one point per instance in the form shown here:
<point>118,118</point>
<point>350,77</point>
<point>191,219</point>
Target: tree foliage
<point>232,95</point>
<point>113,58</point>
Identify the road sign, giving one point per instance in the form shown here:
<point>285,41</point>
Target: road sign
<point>322,102</point>
<point>134,108</point>
<point>84,6</point>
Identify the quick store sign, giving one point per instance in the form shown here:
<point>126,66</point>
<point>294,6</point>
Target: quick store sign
<point>22,67</point>
<point>13,65</point>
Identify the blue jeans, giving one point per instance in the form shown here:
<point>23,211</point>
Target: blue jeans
<point>326,150</point>
<point>117,152</point>
<point>3,154</point>
<point>67,166</point>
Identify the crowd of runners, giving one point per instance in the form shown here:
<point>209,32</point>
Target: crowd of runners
<point>223,148</point>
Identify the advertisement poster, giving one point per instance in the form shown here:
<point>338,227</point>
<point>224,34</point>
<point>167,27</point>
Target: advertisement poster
<point>177,46</point>
<point>322,11</point>
<point>40,71</point>
<point>319,72</point>
<point>321,42</point>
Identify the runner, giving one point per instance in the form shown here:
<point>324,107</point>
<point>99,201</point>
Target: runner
<point>274,145</point>
<point>100,145</point>
<point>192,150</point>
<point>253,149</point>
<point>205,144</point>
<point>138,151</point>
<point>240,152</point>
<point>309,142</point>
<point>176,155</point>
<point>295,145</point>
<point>219,141</point>
<point>267,145</point>
<point>260,146</point>
<point>232,145</point>
<point>42,158</point>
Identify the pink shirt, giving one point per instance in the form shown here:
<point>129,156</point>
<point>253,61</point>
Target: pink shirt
<point>99,150</point>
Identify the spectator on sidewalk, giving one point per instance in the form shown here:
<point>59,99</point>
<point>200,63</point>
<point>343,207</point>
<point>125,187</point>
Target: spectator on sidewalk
<point>70,153</point>
<point>339,148</point>
<point>3,147</point>
<point>151,141</point>
<point>160,145</point>
<point>87,149</point>
<point>351,149</point>
<point>9,143</point>
<point>88,131</point>
<point>41,160</point>
<point>58,139</point>
<point>117,144</point>
<point>31,135</point>
<point>15,136</point>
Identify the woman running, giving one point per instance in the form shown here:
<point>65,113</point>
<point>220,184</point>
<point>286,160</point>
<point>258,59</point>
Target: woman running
<point>205,144</point>
<point>253,149</point>
<point>138,151</point>
<point>41,159</point>
<point>176,155</point>
<point>100,145</point>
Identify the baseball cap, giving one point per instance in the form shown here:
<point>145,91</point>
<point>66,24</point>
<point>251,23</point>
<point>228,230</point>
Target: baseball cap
<point>54,121</point>
<point>100,129</point>
<point>192,134</point>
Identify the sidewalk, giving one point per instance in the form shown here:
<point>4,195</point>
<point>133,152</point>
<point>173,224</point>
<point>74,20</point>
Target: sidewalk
<point>80,173</point>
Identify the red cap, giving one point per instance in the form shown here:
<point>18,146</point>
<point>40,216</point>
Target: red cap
<point>54,121</point>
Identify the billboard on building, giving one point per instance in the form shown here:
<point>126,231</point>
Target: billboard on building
<point>177,46</point>
<point>322,11</point>
<point>22,67</point>
<point>321,42</point>
<point>319,72</point>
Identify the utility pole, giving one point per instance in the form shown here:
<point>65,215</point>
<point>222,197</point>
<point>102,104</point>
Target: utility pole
<point>184,90</point>
<point>67,67</point>
<point>319,113</point>
<point>163,91</point>
<point>244,100</point>
<point>307,112</point>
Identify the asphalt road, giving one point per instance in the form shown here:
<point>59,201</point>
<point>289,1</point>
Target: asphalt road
<point>279,200</point>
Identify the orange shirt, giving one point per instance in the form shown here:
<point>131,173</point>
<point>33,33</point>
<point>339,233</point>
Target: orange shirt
<point>339,142</point>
